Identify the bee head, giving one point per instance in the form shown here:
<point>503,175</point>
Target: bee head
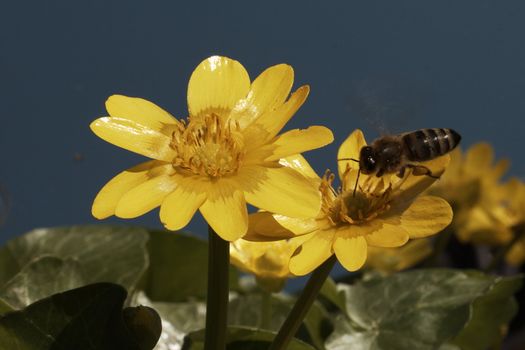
<point>367,160</point>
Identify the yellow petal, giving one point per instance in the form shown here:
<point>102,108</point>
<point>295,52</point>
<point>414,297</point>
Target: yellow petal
<point>499,169</point>
<point>350,149</point>
<point>455,166</point>
<point>295,225</point>
<point>312,253</point>
<point>179,206</point>
<point>298,141</point>
<point>297,162</point>
<point>350,251</point>
<point>225,210</point>
<point>216,85</point>
<point>145,197</point>
<point>134,137</point>
<point>106,200</point>
<point>267,92</point>
<point>480,227</point>
<point>268,125</point>
<point>386,235</point>
<point>426,216</point>
<point>279,190</point>
<point>478,158</point>
<point>516,254</point>
<point>414,185</point>
<point>263,227</point>
<point>140,111</point>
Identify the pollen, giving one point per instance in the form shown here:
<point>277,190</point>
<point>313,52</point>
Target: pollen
<point>341,207</point>
<point>208,145</point>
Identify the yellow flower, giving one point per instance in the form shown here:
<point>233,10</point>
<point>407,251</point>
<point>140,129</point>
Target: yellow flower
<point>226,153</point>
<point>471,185</point>
<point>385,212</point>
<point>268,261</point>
<point>515,205</point>
<point>389,260</point>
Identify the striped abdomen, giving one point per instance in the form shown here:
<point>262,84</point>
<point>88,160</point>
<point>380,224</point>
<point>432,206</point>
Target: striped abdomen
<point>426,144</point>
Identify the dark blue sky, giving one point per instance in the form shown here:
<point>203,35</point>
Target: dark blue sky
<point>400,64</point>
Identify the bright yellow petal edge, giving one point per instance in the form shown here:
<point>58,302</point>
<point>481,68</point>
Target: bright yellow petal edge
<point>386,211</point>
<point>224,155</point>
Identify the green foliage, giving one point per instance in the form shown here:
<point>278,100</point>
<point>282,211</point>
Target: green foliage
<point>332,294</point>
<point>84,318</point>
<point>242,338</point>
<point>51,298</point>
<point>181,255</point>
<point>48,275</point>
<point>490,315</point>
<point>103,253</point>
<point>420,309</point>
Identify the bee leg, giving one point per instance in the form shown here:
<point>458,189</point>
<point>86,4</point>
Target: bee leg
<point>419,170</point>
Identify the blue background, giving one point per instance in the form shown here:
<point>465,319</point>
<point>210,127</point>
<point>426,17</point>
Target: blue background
<point>402,65</point>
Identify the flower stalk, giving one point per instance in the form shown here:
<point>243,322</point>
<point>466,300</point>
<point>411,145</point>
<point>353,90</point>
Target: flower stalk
<point>519,232</point>
<point>302,305</point>
<point>442,241</point>
<point>217,296</point>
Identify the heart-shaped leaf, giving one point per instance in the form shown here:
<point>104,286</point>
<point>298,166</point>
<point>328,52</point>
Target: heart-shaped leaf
<point>242,338</point>
<point>104,253</point>
<point>87,318</point>
<point>490,314</point>
<point>419,309</point>
<point>41,278</point>
<point>181,255</point>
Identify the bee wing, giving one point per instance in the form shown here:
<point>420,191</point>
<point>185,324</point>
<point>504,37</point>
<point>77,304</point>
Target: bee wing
<point>387,103</point>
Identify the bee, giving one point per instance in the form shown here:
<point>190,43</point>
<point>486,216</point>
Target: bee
<point>396,153</point>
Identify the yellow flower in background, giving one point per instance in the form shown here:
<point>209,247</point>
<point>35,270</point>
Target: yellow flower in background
<point>385,212</point>
<point>515,204</point>
<point>226,153</point>
<point>390,260</point>
<point>472,186</point>
<point>268,261</point>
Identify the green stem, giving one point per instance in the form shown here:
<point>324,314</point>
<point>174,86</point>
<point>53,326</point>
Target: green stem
<point>519,232</point>
<point>302,305</point>
<point>440,246</point>
<point>217,297</point>
<point>266,310</point>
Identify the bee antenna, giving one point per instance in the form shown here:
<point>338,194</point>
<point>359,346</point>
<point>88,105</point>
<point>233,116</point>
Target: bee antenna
<point>356,182</point>
<point>353,159</point>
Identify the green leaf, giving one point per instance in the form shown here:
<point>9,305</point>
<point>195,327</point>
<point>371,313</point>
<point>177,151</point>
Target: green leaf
<point>41,278</point>
<point>248,311</point>
<point>88,318</point>
<point>330,292</point>
<point>242,338</point>
<point>103,253</point>
<point>419,309</point>
<point>4,308</point>
<point>181,255</point>
<point>318,325</point>
<point>243,311</point>
<point>179,319</point>
<point>490,314</point>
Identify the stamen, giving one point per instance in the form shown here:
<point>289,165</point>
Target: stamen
<point>208,146</point>
<point>343,207</point>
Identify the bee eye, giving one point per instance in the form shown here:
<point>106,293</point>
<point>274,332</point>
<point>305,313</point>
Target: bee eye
<point>370,163</point>
<point>367,161</point>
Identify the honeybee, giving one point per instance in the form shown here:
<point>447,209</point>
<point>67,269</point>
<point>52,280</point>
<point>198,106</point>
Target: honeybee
<point>394,154</point>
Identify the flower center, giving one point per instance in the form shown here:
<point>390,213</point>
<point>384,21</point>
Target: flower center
<point>343,207</point>
<point>208,146</point>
